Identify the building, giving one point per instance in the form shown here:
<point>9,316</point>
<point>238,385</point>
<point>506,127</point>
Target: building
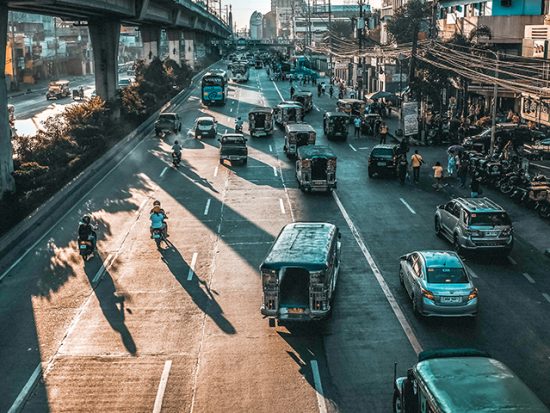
<point>269,26</point>
<point>256,26</point>
<point>286,12</point>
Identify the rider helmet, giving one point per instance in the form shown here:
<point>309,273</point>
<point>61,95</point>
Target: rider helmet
<point>176,143</point>
<point>156,203</point>
<point>86,219</point>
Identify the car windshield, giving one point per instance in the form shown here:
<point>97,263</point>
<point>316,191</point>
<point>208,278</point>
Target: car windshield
<point>489,219</point>
<point>167,117</point>
<point>205,122</point>
<point>385,153</point>
<point>445,275</point>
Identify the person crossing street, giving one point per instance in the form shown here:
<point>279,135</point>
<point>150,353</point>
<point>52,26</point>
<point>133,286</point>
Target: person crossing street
<point>357,124</point>
<point>416,162</point>
<point>383,132</point>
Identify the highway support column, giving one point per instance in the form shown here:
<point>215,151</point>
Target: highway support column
<point>189,55</point>
<point>105,36</point>
<point>174,37</point>
<point>7,183</point>
<point>150,36</point>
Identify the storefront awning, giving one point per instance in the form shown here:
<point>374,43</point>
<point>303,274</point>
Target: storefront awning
<point>452,3</point>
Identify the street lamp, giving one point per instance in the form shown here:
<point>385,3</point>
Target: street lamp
<point>494,108</point>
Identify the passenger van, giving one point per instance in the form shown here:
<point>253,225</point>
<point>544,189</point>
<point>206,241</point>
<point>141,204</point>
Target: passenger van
<point>300,271</point>
<point>462,381</point>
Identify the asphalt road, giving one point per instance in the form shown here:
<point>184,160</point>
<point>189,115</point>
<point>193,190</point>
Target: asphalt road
<point>141,330</point>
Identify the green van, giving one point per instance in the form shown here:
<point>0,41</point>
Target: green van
<point>462,381</point>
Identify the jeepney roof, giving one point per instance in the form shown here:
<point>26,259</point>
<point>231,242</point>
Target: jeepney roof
<point>303,93</point>
<point>476,384</point>
<point>58,83</point>
<point>350,101</point>
<point>315,151</point>
<point>261,109</point>
<point>301,244</point>
<point>336,115</point>
<point>299,127</point>
<point>294,105</point>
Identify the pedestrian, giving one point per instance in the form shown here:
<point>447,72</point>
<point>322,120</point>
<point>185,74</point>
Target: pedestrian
<point>292,90</point>
<point>331,91</point>
<point>475,187</point>
<point>463,171</point>
<point>323,88</point>
<point>357,124</point>
<point>402,167</point>
<point>319,90</point>
<point>416,162</point>
<point>383,132</point>
<point>438,175</point>
<point>451,164</point>
<point>376,128</point>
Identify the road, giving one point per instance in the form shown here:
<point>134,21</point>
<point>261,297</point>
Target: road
<point>141,330</point>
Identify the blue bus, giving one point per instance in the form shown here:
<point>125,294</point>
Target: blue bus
<point>213,88</point>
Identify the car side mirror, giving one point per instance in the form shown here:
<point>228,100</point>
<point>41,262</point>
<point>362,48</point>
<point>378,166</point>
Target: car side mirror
<point>219,140</point>
<point>404,257</point>
<point>339,235</point>
<point>441,206</point>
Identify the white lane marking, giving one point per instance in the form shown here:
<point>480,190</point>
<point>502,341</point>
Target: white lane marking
<point>380,279</point>
<point>408,206</point>
<point>282,206</point>
<point>230,109</point>
<point>512,261</point>
<point>24,393</point>
<point>77,203</point>
<point>529,278</point>
<point>278,91</point>
<point>540,166</point>
<point>546,296</point>
<point>142,205</point>
<point>274,171</point>
<point>321,402</point>
<point>472,272</point>
<point>216,171</point>
<point>316,108</point>
<point>192,266</point>
<point>104,266</point>
<point>352,147</point>
<point>162,386</point>
<point>270,148</point>
<point>163,171</point>
<point>363,148</point>
<point>207,207</point>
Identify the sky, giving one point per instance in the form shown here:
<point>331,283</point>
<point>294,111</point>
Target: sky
<point>242,9</point>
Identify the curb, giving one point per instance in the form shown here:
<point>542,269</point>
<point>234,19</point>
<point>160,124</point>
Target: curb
<point>25,233</point>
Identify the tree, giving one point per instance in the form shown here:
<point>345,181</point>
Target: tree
<point>407,21</point>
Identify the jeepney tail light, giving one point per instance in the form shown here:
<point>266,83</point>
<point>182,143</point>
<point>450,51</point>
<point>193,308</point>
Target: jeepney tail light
<point>306,163</point>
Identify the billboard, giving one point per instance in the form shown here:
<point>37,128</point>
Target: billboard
<point>410,118</point>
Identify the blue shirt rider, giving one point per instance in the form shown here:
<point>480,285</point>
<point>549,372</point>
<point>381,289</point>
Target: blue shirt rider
<point>158,217</point>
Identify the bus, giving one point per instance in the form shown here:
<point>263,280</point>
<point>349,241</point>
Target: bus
<point>213,88</point>
<point>239,72</point>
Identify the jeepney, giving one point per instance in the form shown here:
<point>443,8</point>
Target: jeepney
<point>58,89</point>
<point>305,98</point>
<point>353,107</point>
<point>296,135</point>
<point>335,125</point>
<point>462,380</point>
<point>260,121</point>
<point>288,112</point>
<point>300,272</point>
<point>316,168</point>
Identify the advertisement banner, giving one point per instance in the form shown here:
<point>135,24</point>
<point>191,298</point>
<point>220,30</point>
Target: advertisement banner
<point>410,118</point>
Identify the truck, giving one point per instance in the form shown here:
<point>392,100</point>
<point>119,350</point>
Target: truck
<point>233,148</point>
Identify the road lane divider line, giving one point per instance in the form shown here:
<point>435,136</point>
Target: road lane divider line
<point>104,265</point>
<point>163,171</point>
<point>408,206</point>
<point>278,91</point>
<point>230,109</point>
<point>162,386</point>
<point>546,296</point>
<point>274,171</point>
<point>316,108</point>
<point>27,388</point>
<point>192,266</point>
<point>529,278</point>
<point>472,272</point>
<point>207,207</point>
<point>379,278</point>
<point>362,148</point>
<point>282,206</point>
<point>142,205</point>
<point>270,148</point>
<point>216,171</point>
<point>512,261</point>
<point>321,402</point>
<point>352,147</point>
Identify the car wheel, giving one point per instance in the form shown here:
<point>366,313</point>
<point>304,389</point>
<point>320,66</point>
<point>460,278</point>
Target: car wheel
<point>437,227</point>
<point>415,306</point>
<point>456,245</point>
<point>397,408</point>
<point>245,161</point>
<point>401,277</point>
<point>371,174</point>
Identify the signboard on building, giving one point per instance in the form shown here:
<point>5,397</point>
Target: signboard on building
<point>534,110</point>
<point>410,118</point>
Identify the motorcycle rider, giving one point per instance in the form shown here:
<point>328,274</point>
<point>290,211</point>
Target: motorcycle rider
<point>176,150</point>
<point>81,92</point>
<point>86,231</point>
<point>158,217</point>
<point>238,124</point>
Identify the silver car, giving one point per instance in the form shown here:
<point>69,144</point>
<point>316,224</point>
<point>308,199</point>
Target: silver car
<point>438,284</point>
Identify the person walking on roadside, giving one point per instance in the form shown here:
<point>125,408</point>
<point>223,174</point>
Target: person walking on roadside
<point>462,171</point>
<point>416,162</point>
<point>438,175</point>
<point>331,91</point>
<point>357,124</point>
<point>451,164</point>
<point>319,90</point>
<point>383,132</point>
<point>292,90</point>
<point>402,167</point>
<point>475,187</point>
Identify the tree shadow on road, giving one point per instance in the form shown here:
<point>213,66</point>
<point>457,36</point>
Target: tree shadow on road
<point>197,288</point>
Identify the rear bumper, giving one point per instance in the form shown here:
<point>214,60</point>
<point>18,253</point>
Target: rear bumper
<point>282,314</point>
<point>469,309</point>
<point>326,186</point>
<point>486,243</point>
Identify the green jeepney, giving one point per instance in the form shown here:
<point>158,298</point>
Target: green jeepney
<point>316,168</point>
<point>300,271</point>
<point>462,381</point>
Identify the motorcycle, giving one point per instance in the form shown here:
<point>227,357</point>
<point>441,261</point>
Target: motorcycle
<point>159,235</point>
<point>85,249</point>
<point>176,159</point>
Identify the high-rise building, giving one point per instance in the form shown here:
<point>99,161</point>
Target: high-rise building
<point>286,12</point>
<point>256,26</point>
<point>270,26</point>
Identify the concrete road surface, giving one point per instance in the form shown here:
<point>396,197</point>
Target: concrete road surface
<point>179,330</point>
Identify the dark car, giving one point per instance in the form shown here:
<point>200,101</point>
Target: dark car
<point>383,160</point>
<point>233,148</point>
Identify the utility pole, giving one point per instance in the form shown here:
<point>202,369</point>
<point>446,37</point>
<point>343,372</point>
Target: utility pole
<point>331,69</point>
<point>360,28</point>
<point>494,108</point>
<point>309,23</point>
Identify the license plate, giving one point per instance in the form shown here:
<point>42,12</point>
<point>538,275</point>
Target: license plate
<point>295,310</point>
<point>156,235</point>
<point>451,300</point>
<point>83,246</point>
<point>381,164</point>
<point>491,234</point>
<point>233,158</point>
